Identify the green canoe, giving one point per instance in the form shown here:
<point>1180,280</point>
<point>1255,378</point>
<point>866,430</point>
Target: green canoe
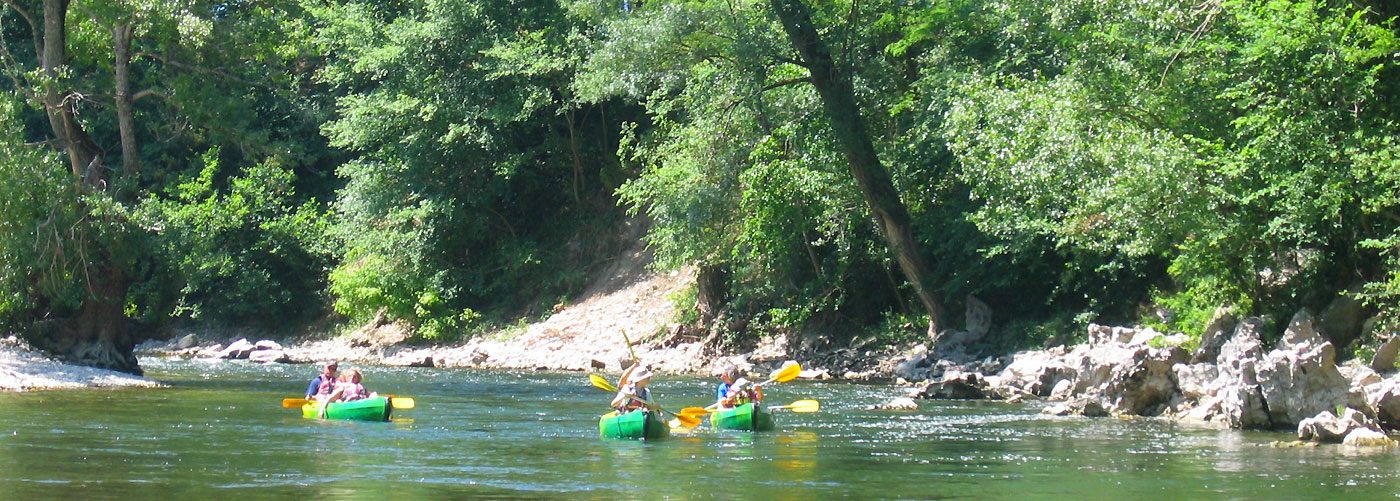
<point>369,409</point>
<point>747,417</point>
<point>635,425</point>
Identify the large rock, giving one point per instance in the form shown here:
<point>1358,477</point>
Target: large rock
<point>1196,381</point>
<point>269,356</point>
<point>1384,360</point>
<point>956,385</point>
<point>1300,378</point>
<point>914,368</point>
<point>1329,428</point>
<point>1340,322</point>
<point>239,349</point>
<point>1037,372</point>
<point>1364,437</point>
<point>978,319</point>
<point>1216,334</point>
<point>267,344</point>
<point>1237,401</point>
<point>1384,399</point>
<point>1129,379</point>
<point>187,342</point>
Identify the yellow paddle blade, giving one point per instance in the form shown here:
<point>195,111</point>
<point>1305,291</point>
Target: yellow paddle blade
<point>686,420</point>
<point>698,412</point>
<point>402,402</point>
<point>784,375</point>
<point>601,383</point>
<point>800,406</point>
<point>289,403</point>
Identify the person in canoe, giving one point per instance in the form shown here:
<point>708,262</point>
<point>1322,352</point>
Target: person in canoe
<point>632,391</point>
<point>734,390</point>
<point>324,383</point>
<point>348,388</point>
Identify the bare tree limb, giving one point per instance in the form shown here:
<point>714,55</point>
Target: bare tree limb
<point>201,69</point>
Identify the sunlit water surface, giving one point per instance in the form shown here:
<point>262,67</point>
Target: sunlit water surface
<point>220,431</point>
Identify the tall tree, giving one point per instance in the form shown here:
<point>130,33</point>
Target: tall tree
<point>838,98</point>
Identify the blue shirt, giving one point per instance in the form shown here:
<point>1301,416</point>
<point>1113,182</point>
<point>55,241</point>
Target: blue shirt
<point>315,386</point>
<point>723,391</point>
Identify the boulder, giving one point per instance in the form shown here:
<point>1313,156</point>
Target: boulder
<point>1237,401</point>
<point>266,344</point>
<point>239,349</point>
<point>1084,406</point>
<point>1384,360</point>
<point>915,367</point>
<point>1384,399</point>
<point>1196,380</point>
<point>956,386</point>
<point>1364,437</point>
<point>418,358</point>
<point>186,342</point>
<point>269,356</point>
<point>211,352</point>
<point>1340,322</point>
<point>1128,379</point>
<point>1300,378</point>
<point>978,319</point>
<point>1216,334</point>
<point>1037,372</point>
<point>1327,427</point>
<point>898,404</point>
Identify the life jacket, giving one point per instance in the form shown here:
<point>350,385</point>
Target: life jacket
<point>326,387</point>
<point>634,402</point>
<point>353,391</point>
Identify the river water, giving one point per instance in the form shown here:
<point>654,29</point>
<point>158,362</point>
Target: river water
<point>220,431</point>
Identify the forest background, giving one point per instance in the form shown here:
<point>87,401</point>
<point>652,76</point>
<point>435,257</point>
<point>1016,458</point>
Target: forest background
<point>839,168</point>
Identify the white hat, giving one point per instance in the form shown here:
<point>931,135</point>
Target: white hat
<point>640,374</point>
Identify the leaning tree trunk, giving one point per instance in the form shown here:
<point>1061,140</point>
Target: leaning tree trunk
<point>126,120</point>
<point>710,282</point>
<point>100,335</point>
<point>838,98</point>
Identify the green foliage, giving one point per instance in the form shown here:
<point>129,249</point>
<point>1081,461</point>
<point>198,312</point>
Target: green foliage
<point>241,249</point>
<point>40,261</point>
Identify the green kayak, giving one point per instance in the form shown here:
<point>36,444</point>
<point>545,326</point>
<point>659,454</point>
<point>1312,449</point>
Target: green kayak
<point>634,425</point>
<point>747,417</point>
<point>369,409</point>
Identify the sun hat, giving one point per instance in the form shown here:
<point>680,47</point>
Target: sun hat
<point>640,374</point>
<point>330,365</point>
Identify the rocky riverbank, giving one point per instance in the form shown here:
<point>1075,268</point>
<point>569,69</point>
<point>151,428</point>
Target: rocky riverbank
<point>1231,381</point>
<point>24,369</point>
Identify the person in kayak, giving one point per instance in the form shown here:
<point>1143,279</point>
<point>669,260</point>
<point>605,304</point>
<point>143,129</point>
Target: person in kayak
<point>633,393</point>
<point>349,389</point>
<point>324,383</point>
<point>734,390</point>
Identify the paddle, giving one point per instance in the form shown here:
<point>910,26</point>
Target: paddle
<point>601,383</point>
<point>782,375</point>
<point>800,406</point>
<point>396,402</point>
<point>689,420</point>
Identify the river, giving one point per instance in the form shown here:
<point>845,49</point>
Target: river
<point>219,431</point>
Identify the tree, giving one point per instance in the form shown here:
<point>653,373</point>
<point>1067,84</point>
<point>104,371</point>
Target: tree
<point>838,98</point>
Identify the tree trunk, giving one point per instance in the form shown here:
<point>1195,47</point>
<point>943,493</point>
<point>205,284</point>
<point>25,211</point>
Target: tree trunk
<point>710,281</point>
<point>100,335</point>
<point>838,98</point>
<point>84,158</point>
<point>126,121</point>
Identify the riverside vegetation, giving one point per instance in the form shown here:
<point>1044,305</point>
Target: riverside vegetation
<point>843,174</point>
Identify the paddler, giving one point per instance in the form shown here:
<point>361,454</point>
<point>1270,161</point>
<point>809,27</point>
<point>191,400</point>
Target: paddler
<point>632,391</point>
<point>324,383</point>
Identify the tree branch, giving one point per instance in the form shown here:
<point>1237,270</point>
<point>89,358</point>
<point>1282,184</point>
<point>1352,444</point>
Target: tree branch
<point>148,93</point>
<point>201,69</point>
